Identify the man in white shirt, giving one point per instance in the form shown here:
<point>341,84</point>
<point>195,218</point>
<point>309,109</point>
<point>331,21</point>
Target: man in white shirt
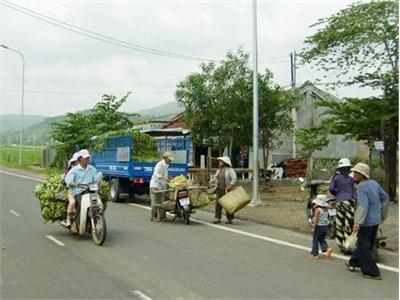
<point>158,182</point>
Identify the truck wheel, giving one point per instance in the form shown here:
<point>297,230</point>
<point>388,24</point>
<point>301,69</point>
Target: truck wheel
<point>115,190</point>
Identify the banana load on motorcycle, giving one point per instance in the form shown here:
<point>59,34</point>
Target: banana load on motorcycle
<point>77,199</point>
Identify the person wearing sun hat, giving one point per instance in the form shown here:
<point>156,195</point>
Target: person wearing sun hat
<point>71,199</point>
<point>319,227</point>
<point>341,185</point>
<point>82,173</point>
<point>372,209</point>
<point>158,182</point>
<point>224,178</point>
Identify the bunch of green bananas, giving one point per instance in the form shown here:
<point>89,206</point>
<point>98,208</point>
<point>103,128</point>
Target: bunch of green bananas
<point>53,197</point>
<point>52,207</point>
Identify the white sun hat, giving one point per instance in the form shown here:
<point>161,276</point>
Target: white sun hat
<point>74,158</point>
<point>168,155</point>
<point>84,153</point>
<point>321,200</point>
<point>363,169</point>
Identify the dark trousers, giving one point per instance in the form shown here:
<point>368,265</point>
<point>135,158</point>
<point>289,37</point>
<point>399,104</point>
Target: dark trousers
<point>218,207</point>
<point>319,238</point>
<point>362,256</point>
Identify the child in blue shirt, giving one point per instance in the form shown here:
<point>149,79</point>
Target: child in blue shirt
<point>319,227</point>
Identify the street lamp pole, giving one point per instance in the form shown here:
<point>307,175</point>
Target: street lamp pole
<point>21,123</point>
<point>255,199</point>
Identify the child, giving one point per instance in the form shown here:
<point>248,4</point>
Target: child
<point>71,210</point>
<point>319,227</point>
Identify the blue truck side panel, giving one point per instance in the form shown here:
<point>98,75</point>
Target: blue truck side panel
<point>118,148</point>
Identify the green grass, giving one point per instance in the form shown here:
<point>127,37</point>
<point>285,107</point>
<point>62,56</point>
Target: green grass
<point>9,156</point>
<point>31,159</point>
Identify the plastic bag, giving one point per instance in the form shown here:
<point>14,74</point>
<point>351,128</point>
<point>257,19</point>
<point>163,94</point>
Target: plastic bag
<point>351,242</point>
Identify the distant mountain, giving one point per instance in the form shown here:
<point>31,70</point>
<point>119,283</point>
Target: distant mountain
<point>9,123</point>
<point>170,108</point>
<point>39,132</point>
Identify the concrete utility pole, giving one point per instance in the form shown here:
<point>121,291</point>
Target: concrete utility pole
<point>294,113</point>
<point>255,199</point>
<point>21,122</point>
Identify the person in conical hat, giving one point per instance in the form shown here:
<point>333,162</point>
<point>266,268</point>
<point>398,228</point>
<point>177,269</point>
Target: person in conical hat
<point>224,178</point>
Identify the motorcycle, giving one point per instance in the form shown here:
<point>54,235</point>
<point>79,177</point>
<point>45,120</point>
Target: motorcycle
<point>89,216</point>
<point>313,186</point>
<point>178,204</point>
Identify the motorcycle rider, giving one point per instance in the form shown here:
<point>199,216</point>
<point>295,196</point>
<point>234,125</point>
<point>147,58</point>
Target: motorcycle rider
<point>158,182</point>
<point>83,173</point>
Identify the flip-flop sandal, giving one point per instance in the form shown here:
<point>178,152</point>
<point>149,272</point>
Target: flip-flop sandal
<point>372,277</point>
<point>350,267</point>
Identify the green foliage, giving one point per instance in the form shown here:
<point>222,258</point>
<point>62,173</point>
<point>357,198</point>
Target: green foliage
<point>362,38</point>
<point>218,104</point>
<point>362,43</point>
<point>311,139</point>
<point>357,119</point>
<point>144,149</point>
<point>78,128</point>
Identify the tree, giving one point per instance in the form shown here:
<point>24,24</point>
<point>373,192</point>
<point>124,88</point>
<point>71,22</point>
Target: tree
<point>311,139</point>
<point>218,105</point>
<point>77,129</point>
<point>357,119</point>
<point>361,42</point>
<point>217,102</point>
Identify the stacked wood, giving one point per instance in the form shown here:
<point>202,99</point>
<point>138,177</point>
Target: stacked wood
<point>295,167</point>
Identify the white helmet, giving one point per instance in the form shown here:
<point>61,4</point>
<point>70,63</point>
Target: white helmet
<point>344,162</point>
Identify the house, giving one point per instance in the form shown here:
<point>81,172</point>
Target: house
<point>308,114</point>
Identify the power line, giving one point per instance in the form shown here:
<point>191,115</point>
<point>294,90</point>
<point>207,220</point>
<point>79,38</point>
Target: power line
<point>95,35</point>
<point>120,25</point>
<point>80,93</point>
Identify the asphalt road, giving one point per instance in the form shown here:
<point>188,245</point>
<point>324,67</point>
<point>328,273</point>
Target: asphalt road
<point>144,260</point>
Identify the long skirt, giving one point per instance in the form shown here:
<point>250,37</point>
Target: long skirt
<point>344,221</point>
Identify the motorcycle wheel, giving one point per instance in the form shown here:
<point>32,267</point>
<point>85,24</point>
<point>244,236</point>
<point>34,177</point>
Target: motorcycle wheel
<point>99,231</point>
<point>331,232</point>
<point>186,217</point>
<point>309,212</point>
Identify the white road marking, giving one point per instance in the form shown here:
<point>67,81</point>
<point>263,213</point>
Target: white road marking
<point>14,212</point>
<point>55,240</point>
<point>268,239</point>
<point>141,295</point>
<point>22,176</point>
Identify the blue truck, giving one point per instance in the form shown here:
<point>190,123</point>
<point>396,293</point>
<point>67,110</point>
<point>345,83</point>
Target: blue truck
<point>127,177</point>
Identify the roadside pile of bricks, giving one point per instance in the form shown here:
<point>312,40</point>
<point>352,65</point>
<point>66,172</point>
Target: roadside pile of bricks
<point>295,167</point>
